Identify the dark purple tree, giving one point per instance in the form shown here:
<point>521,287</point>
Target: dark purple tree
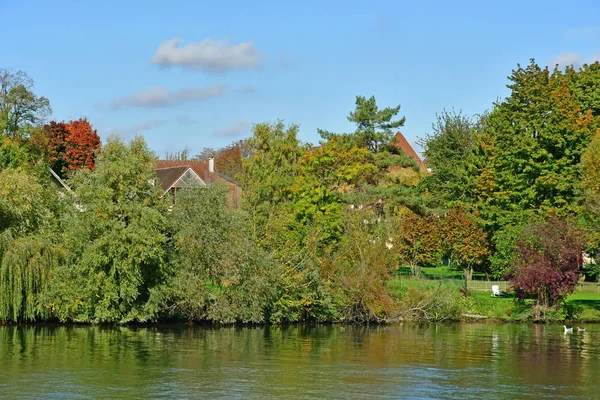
<point>548,263</point>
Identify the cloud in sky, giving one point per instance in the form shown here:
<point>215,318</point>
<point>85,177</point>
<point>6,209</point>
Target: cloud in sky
<point>572,58</point>
<point>208,55</point>
<point>238,128</point>
<point>565,59</point>
<point>159,96</point>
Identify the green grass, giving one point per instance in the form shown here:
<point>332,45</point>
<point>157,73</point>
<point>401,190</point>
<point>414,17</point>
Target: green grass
<point>586,300</point>
<point>442,272</point>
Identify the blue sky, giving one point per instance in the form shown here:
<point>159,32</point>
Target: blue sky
<point>198,74</point>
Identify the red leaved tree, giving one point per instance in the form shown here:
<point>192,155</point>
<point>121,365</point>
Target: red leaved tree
<point>56,147</point>
<point>71,145</point>
<point>83,141</point>
<point>549,261</point>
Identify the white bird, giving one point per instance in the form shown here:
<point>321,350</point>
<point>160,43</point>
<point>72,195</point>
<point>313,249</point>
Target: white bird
<point>580,329</point>
<point>568,330</point>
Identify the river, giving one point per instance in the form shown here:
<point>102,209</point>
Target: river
<point>443,361</point>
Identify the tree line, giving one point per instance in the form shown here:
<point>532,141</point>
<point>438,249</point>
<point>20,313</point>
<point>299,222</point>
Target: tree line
<point>322,230</point>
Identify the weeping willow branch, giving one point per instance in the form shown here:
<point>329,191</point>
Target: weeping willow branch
<point>25,268</point>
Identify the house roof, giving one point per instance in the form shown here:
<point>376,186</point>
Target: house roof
<point>199,167</point>
<point>58,181</point>
<point>401,142</point>
<point>169,175</point>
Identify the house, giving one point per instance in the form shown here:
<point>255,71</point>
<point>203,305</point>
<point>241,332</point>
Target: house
<point>174,175</point>
<point>59,184</point>
<point>400,141</point>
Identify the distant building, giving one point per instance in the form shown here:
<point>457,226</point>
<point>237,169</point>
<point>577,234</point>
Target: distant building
<point>400,141</point>
<point>58,183</point>
<point>174,175</point>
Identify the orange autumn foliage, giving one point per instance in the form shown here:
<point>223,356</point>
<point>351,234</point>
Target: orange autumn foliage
<point>71,145</point>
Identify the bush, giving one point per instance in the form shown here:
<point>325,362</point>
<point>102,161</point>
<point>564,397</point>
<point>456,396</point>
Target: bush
<point>547,266</point>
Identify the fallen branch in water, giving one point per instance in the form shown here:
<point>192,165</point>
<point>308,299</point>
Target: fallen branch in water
<point>473,316</point>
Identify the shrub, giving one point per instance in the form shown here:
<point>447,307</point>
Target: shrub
<point>548,262</point>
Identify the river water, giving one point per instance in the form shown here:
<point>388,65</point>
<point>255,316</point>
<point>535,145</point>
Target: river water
<point>458,361</point>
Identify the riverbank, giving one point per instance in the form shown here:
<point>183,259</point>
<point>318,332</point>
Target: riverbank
<point>581,306</point>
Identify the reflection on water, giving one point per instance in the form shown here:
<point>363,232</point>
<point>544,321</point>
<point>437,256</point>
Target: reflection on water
<point>304,361</point>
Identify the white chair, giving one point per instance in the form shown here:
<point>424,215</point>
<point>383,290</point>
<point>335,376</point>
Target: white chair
<point>496,292</point>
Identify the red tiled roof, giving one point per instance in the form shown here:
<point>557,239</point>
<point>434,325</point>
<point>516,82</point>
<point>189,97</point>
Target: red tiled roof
<point>400,141</point>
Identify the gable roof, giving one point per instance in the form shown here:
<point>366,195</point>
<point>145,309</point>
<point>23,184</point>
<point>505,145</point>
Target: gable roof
<point>199,167</point>
<point>58,181</point>
<point>400,141</point>
<point>171,176</point>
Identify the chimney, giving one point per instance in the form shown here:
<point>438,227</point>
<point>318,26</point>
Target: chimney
<point>211,165</point>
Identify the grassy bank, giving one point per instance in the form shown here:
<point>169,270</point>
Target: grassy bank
<point>477,303</point>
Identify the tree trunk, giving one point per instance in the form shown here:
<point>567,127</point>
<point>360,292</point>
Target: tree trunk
<point>468,273</point>
<point>415,270</point>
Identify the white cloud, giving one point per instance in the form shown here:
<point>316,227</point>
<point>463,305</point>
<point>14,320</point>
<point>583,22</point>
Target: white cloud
<point>156,97</point>
<point>565,59</point>
<point>207,55</point>
<point>572,58</point>
<point>238,128</point>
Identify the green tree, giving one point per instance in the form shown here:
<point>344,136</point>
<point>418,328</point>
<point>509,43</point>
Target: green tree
<point>447,149</point>
<point>28,255</point>
<point>590,185</point>
<point>374,127</point>
<point>417,241</point>
<point>464,241</point>
<point>269,173</point>
<point>538,134</point>
<point>358,270</point>
<point>24,203</point>
<point>20,108</point>
<point>324,175</point>
<point>585,84</point>
<point>119,240</point>
<point>224,277</point>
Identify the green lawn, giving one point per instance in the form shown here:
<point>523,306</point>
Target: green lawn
<point>585,302</point>
<point>443,272</point>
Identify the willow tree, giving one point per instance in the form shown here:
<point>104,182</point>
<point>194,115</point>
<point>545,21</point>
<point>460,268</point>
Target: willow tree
<point>27,258</point>
<point>223,276</point>
<point>27,264</point>
<point>119,239</point>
